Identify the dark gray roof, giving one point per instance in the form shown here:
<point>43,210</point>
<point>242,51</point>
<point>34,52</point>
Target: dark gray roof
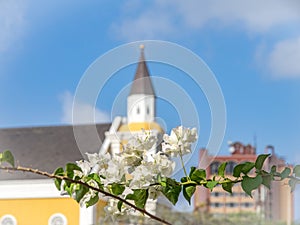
<point>45,148</point>
<point>142,82</point>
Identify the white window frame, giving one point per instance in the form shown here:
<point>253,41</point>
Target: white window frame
<point>65,221</point>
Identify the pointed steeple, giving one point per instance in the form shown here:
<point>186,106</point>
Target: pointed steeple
<point>142,82</point>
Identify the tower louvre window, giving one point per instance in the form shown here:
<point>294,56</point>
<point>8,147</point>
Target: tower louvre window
<point>148,110</point>
<point>138,110</point>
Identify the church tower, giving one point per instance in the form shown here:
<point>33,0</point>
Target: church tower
<point>141,100</point>
<point>140,112</point>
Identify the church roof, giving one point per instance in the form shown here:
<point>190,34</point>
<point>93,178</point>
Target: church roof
<point>45,148</point>
<point>142,82</point>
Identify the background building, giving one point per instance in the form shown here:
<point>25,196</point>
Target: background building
<point>275,204</point>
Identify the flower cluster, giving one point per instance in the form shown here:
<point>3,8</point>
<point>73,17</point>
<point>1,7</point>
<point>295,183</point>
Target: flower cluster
<point>136,170</point>
<point>180,141</point>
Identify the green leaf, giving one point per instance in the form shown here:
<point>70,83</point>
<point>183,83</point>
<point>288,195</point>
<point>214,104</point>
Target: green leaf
<point>285,173</point>
<point>296,170</point>
<point>171,189</point>
<point>59,172</point>
<point>273,169</point>
<point>8,157</point>
<point>260,161</point>
<point>198,175</point>
<point>228,186</point>
<point>82,190</point>
<point>251,183</point>
<point>92,201</point>
<point>70,167</point>
<point>57,183</point>
<point>183,179</point>
<point>211,184</point>
<point>96,178</point>
<point>188,191</point>
<point>158,178</point>
<point>267,179</point>
<point>244,168</point>
<point>139,197</point>
<point>237,170</point>
<point>292,184</point>
<point>120,203</point>
<point>68,187</point>
<point>248,166</point>
<point>117,189</point>
<point>192,170</point>
<point>221,169</point>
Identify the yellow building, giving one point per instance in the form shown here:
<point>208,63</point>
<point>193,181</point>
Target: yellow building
<point>28,199</point>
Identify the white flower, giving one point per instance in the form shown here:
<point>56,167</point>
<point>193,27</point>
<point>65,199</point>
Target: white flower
<point>131,159</point>
<point>114,172</point>
<point>137,147</point>
<point>98,159</point>
<point>154,191</point>
<point>141,142</point>
<point>85,167</point>
<point>93,158</point>
<point>111,210</point>
<point>164,165</point>
<point>179,141</point>
<point>143,176</point>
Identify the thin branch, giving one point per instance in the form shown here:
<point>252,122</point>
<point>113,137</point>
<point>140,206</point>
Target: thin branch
<point>294,178</point>
<point>53,176</point>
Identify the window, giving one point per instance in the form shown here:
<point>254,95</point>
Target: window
<point>138,110</point>
<point>216,204</point>
<point>216,194</point>
<point>57,219</point>
<point>230,166</point>
<point>148,110</point>
<point>231,204</point>
<point>245,195</point>
<point>8,220</point>
<point>248,204</point>
<point>234,194</point>
<point>214,167</point>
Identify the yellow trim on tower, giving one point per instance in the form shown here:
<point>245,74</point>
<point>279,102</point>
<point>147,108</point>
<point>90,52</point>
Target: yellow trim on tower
<point>140,126</point>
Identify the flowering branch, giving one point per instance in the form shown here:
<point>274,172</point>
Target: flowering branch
<point>139,173</point>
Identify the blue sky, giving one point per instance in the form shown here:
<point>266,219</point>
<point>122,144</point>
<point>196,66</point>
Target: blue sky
<point>252,47</point>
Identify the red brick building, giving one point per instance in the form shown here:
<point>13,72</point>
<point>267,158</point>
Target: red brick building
<point>275,204</point>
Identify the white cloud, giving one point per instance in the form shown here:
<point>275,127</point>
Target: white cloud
<point>84,112</point>
<point>149,25</point>
<point>256,16</point>
<point>12,23</point>
<point>284,59</point>
<point>163,18</point>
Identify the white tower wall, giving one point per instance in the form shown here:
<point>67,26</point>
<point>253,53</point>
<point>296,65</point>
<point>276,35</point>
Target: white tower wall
<point>140,108</point>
